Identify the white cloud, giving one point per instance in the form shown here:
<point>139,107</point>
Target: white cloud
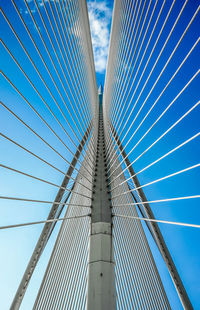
<point>100,17</point>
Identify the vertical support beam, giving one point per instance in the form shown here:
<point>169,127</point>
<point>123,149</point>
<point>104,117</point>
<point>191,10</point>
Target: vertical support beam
<point>48,228</point>
<point>155,229</point>
<point>101,284</point>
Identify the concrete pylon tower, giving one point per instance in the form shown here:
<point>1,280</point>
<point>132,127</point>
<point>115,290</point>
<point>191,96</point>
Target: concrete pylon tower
<point>101,284</point>
<point>100,90</point>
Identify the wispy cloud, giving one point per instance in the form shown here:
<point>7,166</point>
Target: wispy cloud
<point>100,18</point>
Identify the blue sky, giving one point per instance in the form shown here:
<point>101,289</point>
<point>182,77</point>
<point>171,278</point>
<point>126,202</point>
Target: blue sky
<point>17,245</point>
<point>100,15</point>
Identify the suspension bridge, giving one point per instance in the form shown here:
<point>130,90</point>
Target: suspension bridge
<point>102,179</point>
